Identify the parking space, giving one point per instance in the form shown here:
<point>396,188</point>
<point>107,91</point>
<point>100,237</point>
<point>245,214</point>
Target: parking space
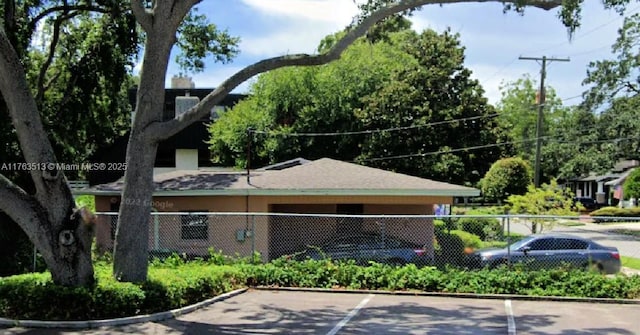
<point>291,312</point>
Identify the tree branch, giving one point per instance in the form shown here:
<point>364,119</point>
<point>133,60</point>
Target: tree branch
<point>144,17</point>
<point>66,8</point>
<point>51,188</point>
<point>54,43</point>
<point>163,130</point>
<point>22,208</point>
<point>171,13</point>
<point>630,86</point>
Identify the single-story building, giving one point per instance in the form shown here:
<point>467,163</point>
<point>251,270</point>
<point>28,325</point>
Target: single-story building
<point>324,186</point>
<point>605,188</point>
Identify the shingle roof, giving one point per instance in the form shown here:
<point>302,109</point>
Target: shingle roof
<point>322,176</point>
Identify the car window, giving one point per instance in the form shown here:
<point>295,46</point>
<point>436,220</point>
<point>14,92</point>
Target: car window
<point>541,244</point>
<point>570,244</point>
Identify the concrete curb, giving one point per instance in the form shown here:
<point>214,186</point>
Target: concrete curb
<point>119,321</point>
<point>457,295</point>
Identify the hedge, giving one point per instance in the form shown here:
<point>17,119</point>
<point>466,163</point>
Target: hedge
<point>615,214</point>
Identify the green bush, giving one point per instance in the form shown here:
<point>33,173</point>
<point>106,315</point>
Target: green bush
<point>560,282</point>
<point>485,228</point>
<point>631,187</point>
<point>450,249</point>
<point>469,240</point>
<point>507,176</point>
<point>614,213</point>
<point>34,296</point>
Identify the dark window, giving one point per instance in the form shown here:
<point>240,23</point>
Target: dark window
<point>570,244</point>
<point>195,227</point>
<point>542,244</point>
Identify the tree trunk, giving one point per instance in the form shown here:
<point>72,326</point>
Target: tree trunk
<point>67,251</point>
<point>132,233</point>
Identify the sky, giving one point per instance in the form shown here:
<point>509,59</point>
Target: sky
<point>493,40</point>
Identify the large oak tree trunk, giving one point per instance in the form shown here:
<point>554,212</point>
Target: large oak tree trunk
<point>132,234</point>
<point>62,235</point>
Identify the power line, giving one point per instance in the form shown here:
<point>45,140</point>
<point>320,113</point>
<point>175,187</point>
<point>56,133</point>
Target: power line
<point>432,153</point>
<point>360,132</point>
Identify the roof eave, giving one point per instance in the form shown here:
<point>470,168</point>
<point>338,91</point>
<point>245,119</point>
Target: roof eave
<point>470,192</point>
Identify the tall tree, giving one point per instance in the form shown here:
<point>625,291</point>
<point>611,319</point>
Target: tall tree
<point>47,214</point>
<point>309,100</point>
<point>612,78</point>
<point>423,102</point>
<point>73,62</point>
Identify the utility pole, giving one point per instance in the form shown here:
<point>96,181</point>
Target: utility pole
<point>541,101</point>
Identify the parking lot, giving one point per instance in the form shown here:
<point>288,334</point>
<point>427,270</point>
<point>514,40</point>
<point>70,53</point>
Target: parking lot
<point>290,312</point>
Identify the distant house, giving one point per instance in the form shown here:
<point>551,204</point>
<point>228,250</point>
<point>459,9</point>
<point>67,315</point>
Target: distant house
<point>186,150</point>
<point>323,186</point>
<point>605,188</point>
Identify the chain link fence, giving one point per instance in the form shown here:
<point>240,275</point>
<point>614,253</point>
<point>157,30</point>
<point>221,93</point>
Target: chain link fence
<point>463,241</point>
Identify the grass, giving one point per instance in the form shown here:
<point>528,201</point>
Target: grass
<point>570,223</point>
<point>629,232</point>
<point>630,262</point>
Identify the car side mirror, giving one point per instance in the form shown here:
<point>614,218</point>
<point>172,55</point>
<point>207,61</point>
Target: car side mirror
<point>525,249</point>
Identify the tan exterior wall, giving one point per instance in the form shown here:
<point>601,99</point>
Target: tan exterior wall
<point>275,236</point>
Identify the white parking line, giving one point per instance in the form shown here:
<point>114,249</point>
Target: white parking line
<point>511,322</point>
<point>351,314</point>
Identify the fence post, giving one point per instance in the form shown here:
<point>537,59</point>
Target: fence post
<point>508,242</point>
<point>253,238</point>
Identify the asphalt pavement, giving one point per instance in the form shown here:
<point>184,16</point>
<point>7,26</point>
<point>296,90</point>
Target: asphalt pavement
<point>295,312</point>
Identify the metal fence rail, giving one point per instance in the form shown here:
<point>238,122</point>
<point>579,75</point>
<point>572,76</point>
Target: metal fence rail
<point>455,240</point>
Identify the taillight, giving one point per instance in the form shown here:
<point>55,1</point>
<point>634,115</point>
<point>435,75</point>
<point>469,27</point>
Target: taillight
<point>615,255</point>
<point>420,252</point>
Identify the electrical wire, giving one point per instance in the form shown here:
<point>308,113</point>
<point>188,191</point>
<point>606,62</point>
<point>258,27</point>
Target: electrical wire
<point>360,132</point>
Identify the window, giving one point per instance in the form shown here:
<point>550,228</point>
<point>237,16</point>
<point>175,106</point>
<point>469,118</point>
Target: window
<point>195,227</point>
<point>542,244</point>
<point>570,244</point>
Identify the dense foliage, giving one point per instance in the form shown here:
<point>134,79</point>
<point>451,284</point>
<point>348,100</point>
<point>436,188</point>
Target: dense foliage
<point>549,199</point>
<point>615,214</point>
<point>631,187</point>
<point>401,103</point>
<point>176,284</point>
<point>507,176</point>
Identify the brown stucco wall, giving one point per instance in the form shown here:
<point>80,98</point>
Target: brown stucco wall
<point>290,233</point>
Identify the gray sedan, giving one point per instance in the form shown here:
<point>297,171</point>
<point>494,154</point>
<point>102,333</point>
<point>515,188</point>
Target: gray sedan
<point>551,251</point>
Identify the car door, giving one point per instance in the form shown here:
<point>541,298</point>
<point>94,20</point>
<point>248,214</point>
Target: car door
<point>372,249</point>
<point>569,252</point>
<point>343,249</point>
<point>537,253</point>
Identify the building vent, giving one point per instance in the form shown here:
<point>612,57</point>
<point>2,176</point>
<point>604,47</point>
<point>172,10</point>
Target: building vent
<point>184,103</point>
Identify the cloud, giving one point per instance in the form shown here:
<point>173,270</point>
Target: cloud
<point>301,25</point>
<point>336,12</point>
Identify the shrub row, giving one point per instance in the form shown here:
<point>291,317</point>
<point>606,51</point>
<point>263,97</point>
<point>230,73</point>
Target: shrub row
<point>615,214</point>
<point>34,296</point>
<point>325,274</point>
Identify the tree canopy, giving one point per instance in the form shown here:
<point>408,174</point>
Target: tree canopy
<point>507,176</point>
<point>399,103</point>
